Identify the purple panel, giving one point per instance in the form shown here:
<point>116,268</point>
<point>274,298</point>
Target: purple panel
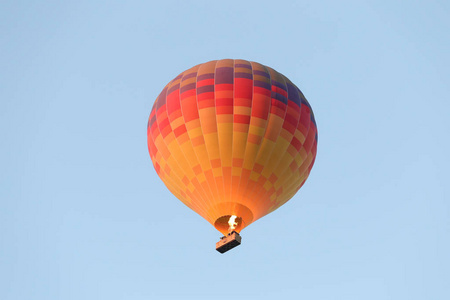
<point>243,66</point>
<point>152,120</point>
<point>224,75</point>
<point>243,75</point>
<point>279,85</point>
<point>293,94</point>
<point>161,98</point>
<point>190,75</point>
<point>205,76</point>
<point>205,89</point>
<point>279,97</point>
<point>262,73</point>
<point>187,87</point>
<point>173,88</point>
<point>262,84</point>
<point>178,77</point>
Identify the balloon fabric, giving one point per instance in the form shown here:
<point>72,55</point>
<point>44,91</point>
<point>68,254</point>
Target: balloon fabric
<point>232,138</point>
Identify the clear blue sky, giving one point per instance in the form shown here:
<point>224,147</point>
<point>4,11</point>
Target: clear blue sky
<point>83,214</point>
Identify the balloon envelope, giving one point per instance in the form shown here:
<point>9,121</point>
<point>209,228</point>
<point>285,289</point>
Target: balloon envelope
<point>232,137</point>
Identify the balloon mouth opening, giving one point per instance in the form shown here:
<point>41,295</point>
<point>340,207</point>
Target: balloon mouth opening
<point>222,224</point>
<point>232,212</point>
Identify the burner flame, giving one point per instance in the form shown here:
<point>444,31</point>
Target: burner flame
<point>232,223</point>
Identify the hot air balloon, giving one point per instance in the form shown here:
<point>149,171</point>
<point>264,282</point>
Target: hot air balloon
<point>233,140</point>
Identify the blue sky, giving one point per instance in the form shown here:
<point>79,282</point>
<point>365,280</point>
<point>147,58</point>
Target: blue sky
<point>83,215</point>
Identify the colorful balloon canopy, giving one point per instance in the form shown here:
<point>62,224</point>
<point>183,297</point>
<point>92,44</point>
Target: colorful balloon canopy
<point>232,138</point>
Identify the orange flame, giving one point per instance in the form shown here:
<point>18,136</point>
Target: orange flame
<point>232,223</point>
